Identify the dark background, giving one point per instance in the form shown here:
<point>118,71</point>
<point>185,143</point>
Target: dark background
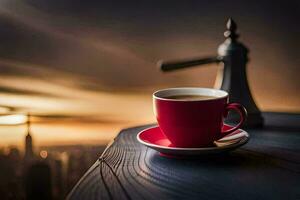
<point>114,45</point>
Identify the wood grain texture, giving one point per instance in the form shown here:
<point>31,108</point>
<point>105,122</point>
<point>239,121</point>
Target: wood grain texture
<point>268,167</point>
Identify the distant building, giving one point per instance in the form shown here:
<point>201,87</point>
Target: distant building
<point>29,155</point>
<point>38,184</point>
<point>58,179</point>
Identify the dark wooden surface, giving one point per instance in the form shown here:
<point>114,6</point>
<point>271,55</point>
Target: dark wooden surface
<point>268,167</point>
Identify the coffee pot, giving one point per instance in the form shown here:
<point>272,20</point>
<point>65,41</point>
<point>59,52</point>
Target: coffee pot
<point>231,78</point>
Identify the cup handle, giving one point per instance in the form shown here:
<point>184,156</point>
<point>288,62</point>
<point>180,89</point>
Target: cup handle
<point>242,112</point>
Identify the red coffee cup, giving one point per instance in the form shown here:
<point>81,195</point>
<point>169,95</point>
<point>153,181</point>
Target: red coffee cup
<point>194,122</point>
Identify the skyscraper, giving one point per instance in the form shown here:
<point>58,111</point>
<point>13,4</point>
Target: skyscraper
<point>28,142</point>
<point>38,183</point>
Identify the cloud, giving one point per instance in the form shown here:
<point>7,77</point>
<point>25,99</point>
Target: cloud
<point>64,46</point>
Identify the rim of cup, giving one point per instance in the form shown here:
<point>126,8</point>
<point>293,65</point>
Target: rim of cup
<point>163,94</point>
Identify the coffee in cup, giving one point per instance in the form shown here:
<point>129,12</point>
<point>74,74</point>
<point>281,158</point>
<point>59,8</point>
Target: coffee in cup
<point>194,117</point>
<point>190,97</point>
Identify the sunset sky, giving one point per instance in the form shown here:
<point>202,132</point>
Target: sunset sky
<point>86,69</point>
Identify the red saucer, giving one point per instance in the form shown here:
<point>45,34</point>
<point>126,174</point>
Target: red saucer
<point>155,139</point>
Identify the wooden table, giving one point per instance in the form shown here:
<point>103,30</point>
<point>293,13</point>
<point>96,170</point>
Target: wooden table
<point>267,167</point>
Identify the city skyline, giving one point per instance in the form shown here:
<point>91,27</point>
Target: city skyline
<point>43,172</point>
